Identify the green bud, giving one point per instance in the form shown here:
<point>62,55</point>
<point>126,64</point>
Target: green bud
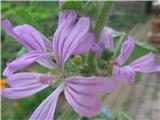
<point>77,60</point>
<point>107,55</point>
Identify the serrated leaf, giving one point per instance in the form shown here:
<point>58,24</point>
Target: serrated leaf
<point>146,46</point>
<point>72,5</point>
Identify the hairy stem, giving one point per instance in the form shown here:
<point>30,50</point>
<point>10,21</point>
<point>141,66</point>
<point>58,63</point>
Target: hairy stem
<point>99,24</point>
<point>102,18</point>
<point>92,63</point>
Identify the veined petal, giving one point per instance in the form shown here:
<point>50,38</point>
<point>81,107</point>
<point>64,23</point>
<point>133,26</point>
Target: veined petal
<point>23,62</point>
<point>63,15</point>
<point>23,85</point>
<point>60,36</point>
<point>26,35</point>
<point>21,92</point>
<point>106,39</point>
<point>7,26</point>
<point>45,61</point>
<point>145,64</point>
<point>25,79</point>
<point>126,50</point>
<point>37,41</point>
<point>75,37</point>
<point>125,74</point>
<point>47,42</point>
<point>81,93</point>
<point>22,79</point>
<point>46,109</point>
<point>84,104</point>
<point>86,44</point>
<point>31,39</point>
<point>91,84</point>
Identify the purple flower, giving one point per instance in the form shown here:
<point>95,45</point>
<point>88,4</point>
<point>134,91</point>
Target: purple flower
<point>70,36</point>
<point>143,64</point>
<point>106,40</point>
<point>79,91</point>
<point>127,73</point>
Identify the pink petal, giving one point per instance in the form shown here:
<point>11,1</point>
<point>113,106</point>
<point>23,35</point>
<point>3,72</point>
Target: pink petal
<point>6,24</point>
<point>21,92</point>
<point>31,39</point>
<point>23,62</point>
<point>38,42</point>
<point>26,35</point>
<point>22,87</point>
<point>47,42</point>
<point>125,74</point>
<point>60,36</point>
<point>63,15</point>
<point>80,93</point>
<point>91,84</point>
<point>75,37</point>
<point>84,104</point>
<point>22,79</point>
<point>107,39</point>
<point>145,64</point>
<point>126,50</point>
<point>46,109</point>
<point>45,61</point>
<point>98,49</point>
<point>85,45</point>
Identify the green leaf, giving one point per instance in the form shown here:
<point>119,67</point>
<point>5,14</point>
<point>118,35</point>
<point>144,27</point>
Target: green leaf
<point>146,46</point>
<point>72,5</point>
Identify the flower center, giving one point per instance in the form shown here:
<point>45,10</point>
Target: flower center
<point>45,79</point>
<point>114,62</point>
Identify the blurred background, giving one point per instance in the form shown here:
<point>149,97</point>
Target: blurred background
<point>140,19</point>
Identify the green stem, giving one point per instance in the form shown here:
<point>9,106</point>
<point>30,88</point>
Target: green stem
<point>92,63</point>
<point>102,18</point>
<point>99,24</point>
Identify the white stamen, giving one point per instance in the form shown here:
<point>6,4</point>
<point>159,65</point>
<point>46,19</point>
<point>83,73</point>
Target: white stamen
<point>45,79</point>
